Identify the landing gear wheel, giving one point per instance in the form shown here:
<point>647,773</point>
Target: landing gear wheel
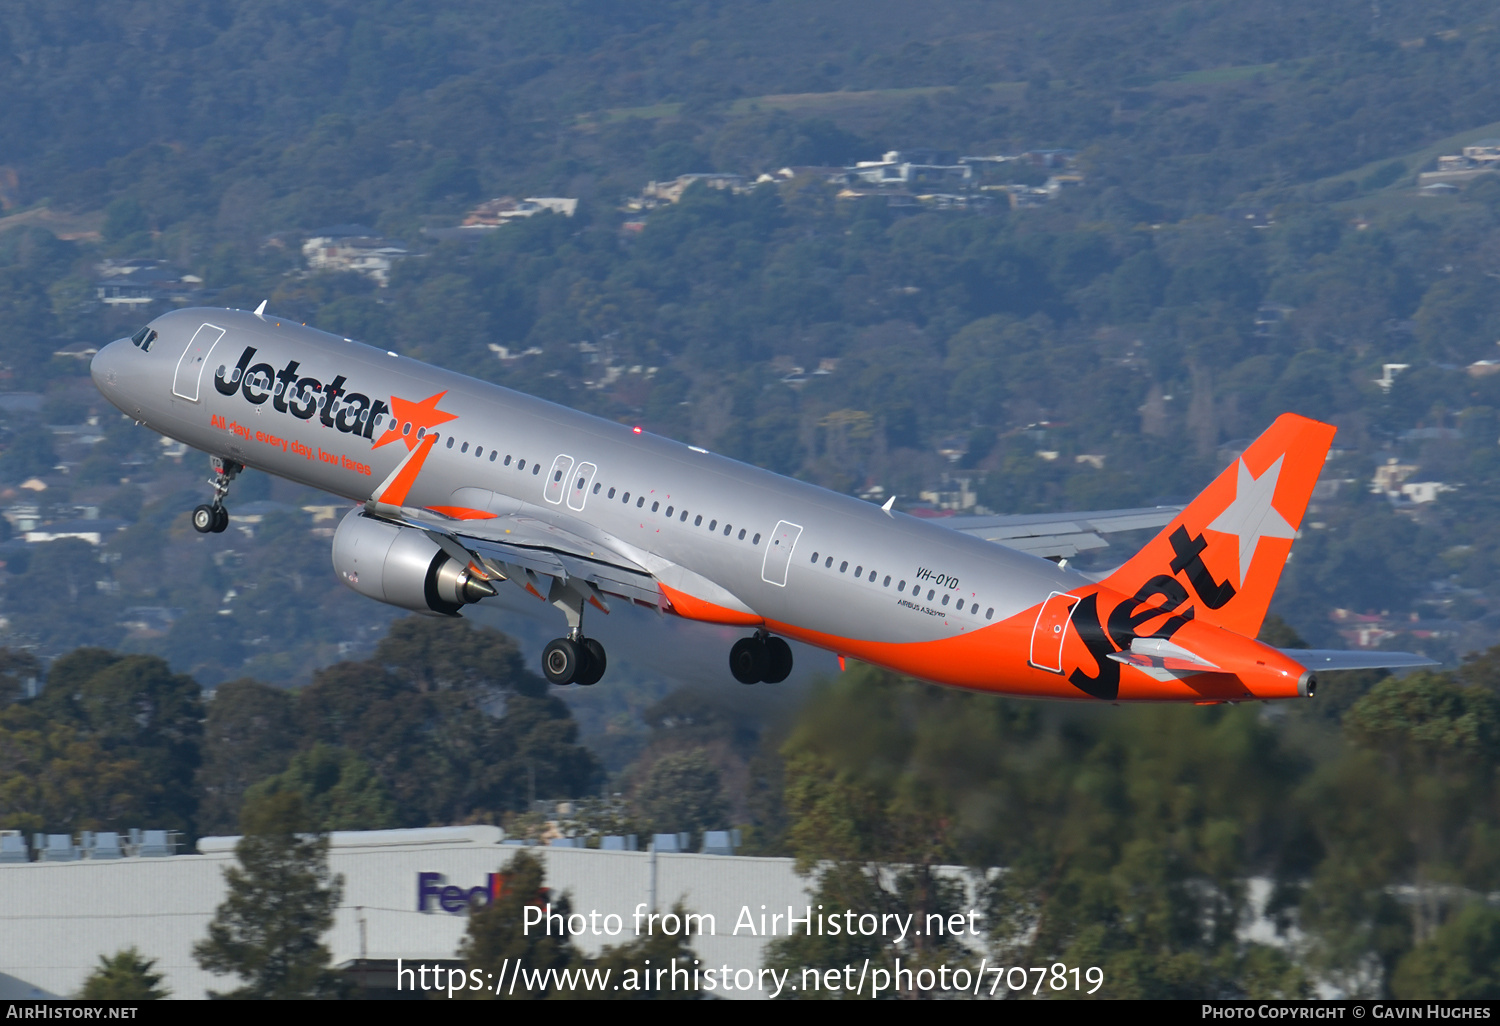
<point>779,656</point>
<point>748,661</point>
<point>221,520</point>
<point>204,518</point>
<point>561,660</point>
<point>593,667</point>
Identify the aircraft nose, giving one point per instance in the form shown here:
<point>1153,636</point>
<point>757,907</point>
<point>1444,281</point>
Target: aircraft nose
<point>107,367</point>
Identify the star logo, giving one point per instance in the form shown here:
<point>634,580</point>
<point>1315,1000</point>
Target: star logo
<point>1251,517</point>
<point>424,414</point>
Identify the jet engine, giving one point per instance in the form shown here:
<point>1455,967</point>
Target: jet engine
<point>402,566</point>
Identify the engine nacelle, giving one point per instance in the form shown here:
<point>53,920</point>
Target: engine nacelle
<point>403,567</point>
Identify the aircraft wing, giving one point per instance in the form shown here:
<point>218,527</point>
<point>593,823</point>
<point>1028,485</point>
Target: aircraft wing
<point>523,548</point>
<point>1054,535</point>
<point>1342,659</point>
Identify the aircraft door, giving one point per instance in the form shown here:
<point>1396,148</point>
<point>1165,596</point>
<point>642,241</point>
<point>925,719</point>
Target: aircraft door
<point>581,478</point>
<point>1050,630</point>
<point>779,553</point>
<point>194,358</point>
<point>557,479</point>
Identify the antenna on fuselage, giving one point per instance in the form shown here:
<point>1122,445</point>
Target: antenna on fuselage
<point>888,503</point>
<point>260,311</point>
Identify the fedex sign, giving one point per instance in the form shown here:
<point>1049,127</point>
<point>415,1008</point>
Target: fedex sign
<point>434,889</point>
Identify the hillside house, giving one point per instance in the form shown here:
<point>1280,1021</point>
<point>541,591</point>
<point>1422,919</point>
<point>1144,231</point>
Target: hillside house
<point>356,248</point>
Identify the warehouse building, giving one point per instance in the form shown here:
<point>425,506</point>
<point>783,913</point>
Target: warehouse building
<point>406,896</point>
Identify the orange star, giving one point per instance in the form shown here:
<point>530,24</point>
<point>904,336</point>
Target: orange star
<point>424,414</point>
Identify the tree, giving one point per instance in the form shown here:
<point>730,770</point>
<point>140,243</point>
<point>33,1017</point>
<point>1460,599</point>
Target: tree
<point>124,976</point>
<point>337,787</point>
<point>1460,961</point>
<point>134,707</point>
<point>682,793</point>
<point>250,733</point>
<point>281,901</point>
<point>497,932</point>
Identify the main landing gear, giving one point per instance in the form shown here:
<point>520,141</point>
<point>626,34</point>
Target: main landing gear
<point>573,659</point>
<point>760,659</point>
<point>213,518</point>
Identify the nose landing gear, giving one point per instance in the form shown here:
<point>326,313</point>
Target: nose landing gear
<point>213,518</point>
<point>759,659</point>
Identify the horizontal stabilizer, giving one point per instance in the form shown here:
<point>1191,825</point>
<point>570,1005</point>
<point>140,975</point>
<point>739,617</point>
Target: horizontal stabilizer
<point>1343,659</point>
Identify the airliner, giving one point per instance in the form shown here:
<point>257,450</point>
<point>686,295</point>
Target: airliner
<point>460,488</point>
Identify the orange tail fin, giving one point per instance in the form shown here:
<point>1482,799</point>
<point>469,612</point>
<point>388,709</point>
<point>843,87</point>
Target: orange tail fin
<point>1231,543</point>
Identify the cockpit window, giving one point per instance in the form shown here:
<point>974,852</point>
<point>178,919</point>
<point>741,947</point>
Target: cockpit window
<point>142,339</point>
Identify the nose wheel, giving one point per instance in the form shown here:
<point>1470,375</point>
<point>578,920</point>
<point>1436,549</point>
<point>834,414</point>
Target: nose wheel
<point>212,517</point>
<point>760,659</point>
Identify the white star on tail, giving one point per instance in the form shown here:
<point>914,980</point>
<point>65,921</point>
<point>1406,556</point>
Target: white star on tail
<point>1251,516</point>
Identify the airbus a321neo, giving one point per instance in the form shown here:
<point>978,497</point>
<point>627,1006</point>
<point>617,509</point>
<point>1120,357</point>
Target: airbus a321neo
<point>463,487</point>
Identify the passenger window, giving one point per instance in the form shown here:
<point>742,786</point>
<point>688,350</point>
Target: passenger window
<point>625,497</point>
<point>610,494</point>
<point>520,464</point>
<point>989,614</point>
<point>669,512</point>
<point>901,586</point>
<point>756,539</point>
<point>930,593</point>
<point>827,562</point>
<point>960,605</point>
<point>507,459</point>
<point>406,428</point>
<point>698,520</point>
<point>859,571</point>
<point>727,529</point>
<point>450,442</point>
<point>843,566</point>
<point>536,468</point>
<point>742,534</point>
<point>461,448</point>
<point>579,485</point>
<point>946,596</point>
<point>713,525</point>
<point>478,451</point>
<point>887,583</point>
<point>557,477</point>
<point>655,506</point>
<point>597,486</point>
<point>872,575</point>
<point>493,454</point>
<point>639,502</point>
<point>683,518</point>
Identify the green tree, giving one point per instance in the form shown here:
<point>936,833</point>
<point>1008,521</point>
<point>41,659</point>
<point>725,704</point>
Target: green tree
<point>498,933</point>
<point>124,976</point>
<point>337,787</point>
<point>682,792</point>
<point>134,707</point>
<point>281,901</point>
<point>1460,961</point>
<point>249,734</point>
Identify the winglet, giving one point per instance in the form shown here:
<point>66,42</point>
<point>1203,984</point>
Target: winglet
<point>1226,550</point>
<point>260,311</point>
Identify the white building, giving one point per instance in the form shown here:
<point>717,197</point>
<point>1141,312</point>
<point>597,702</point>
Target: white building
<point>406,896</point>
